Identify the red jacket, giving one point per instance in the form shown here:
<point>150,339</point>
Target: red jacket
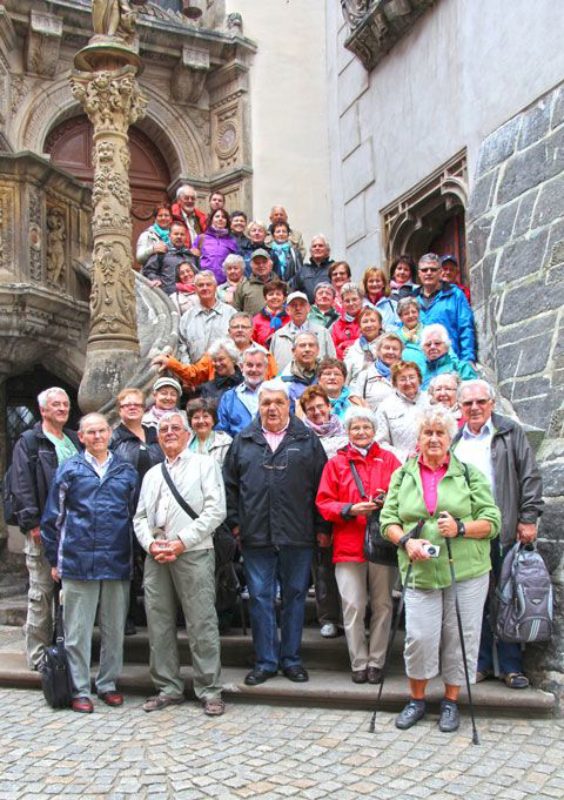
<point>262,332</point>
<point>200,216</point>
<point>337,490</point>
<point>344,334</point>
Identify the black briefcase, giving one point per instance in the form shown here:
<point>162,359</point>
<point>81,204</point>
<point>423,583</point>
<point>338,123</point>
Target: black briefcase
<point>54,668</point>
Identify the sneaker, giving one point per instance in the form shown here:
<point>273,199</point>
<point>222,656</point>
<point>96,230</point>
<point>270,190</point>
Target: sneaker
<point>450,716</point>
<point>329,630</point>
<point>412,713</point>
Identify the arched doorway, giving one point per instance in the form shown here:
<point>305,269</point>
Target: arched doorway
<point>70,147</point>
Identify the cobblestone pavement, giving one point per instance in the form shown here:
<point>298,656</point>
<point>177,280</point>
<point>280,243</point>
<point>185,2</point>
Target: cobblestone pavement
<point>267,752</point>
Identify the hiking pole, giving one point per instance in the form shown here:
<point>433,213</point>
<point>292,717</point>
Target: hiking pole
<point>415,535</point>
<point>475,739</point>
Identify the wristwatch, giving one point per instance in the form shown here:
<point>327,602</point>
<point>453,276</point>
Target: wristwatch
<point>405,539</point>
<point>460,527</point>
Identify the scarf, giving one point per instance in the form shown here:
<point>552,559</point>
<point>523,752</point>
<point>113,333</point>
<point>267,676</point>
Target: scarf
<point>412,335</point>
<point>377,297</point>
<point>162,233</point>
<point>221,233</point>
<point>275,319</point>
<point>396,286</point>
<point>384,370</point>
<point>341,403</point>
<point>334,427</point>
<point>350,317</point>
<point>185,288</point>
<point>282,252</point>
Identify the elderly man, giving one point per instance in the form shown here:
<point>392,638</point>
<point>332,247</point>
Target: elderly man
<point>160,269</point>
<point>281,344</point>
<point>37,454</point>
<point>439,358</point>
<point>185,210</point>
<point>249,296</point>
<point>317,269</point>
<point>238,406</point>
<point>180,565</point>
<point>442,302</point>
<point>323,312</point>
<point>86,533</point>
<point>498,446</point>
<point>301,372</point>
<point>206,321</point>
<point>166,397</point>
<point>272,473</point>
<point>279,214</point>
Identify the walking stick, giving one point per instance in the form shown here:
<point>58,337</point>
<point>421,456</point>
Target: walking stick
<point>475,739</point>
<point>372,728</point>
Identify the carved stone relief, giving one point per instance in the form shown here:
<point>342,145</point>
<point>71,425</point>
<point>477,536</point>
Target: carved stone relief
<point>43,43</point>
<point>226,133</point>
<point>35,236</point>
<point>19,89</point>
<point>112,100</point>
<point>112,302</point>
<point>56,239</point>
<point>6,229</point>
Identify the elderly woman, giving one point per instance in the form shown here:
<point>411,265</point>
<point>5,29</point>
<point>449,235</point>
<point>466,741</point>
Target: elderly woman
<point>374,384</point>
<point>202,418</point>
<point>323,311</point>
<point>347,329</point>
<point>256,234</point>
<point>317,413</point>
<point>377,295</point>
<point>166,397</point>
<point>156,238</point>
<point>443,391</point>
<point>339,501</point>
<point>185,297</point>
<point>454,501</point>
<point>234,268</point>
<point>225,357</point>
<point>403,277</point>
<point>339,273</point>
<point>409,331</point>
<point>362,352</point>
<point>439,358</point>
<point>331,376</point>
<point>397,420</point>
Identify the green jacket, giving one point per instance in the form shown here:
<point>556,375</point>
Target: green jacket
<point>405,506</point>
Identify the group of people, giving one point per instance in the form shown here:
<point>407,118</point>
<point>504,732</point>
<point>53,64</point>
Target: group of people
<point>314,404</point>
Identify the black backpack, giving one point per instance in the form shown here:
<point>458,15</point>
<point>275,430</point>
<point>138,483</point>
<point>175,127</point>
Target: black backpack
<point>523,600</point>
<point>9,501</point>
<point>56,680</point>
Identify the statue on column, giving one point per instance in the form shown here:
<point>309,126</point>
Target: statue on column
<point>114,18</point>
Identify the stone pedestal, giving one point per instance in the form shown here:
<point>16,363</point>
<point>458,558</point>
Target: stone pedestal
<point>112,100</point>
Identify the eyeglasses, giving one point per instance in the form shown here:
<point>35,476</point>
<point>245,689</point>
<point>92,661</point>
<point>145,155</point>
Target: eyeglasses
<point>131,405</point>
<point>429,269</point>
<point>240,327</point>
<point>480,402</point>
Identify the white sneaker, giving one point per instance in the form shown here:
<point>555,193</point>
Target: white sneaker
<point>329,630</point>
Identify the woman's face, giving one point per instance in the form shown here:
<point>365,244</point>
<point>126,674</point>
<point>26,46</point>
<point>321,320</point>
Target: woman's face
<point>434,348</point>
<point>234,272</point>
<point>166,398</point>
<point>186,274</point>
<point>238,224</point>
<point>324,299</point>
<point>374,284</point>
<point>219,220</point>
<point>351,303</point>
<point>410,316</point>
<point>257,234</point>
<point>390,352</point>
<point>370,325</point>
<point>163,218</point>
<point>408,383</point>
<point>131,409</point>
<point>402,273</point>
<point>280,234</point>
<point>339,277</point>
<point>434,442</point>
<point>202,424</point>
<point>223,364</point>
<point>332,380</point>
<point>318,411</point>
<point>444,391</point>
<point>361,433</point>
<point>275,299</point>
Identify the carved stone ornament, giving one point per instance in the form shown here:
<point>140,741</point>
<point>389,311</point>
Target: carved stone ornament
<point>354,11</point>
<point>56,238</point>
<point>111,99</point>
<point>112,302</point>
<point>189,76</point>
<point>114,18</point>
<point>43,43</point>
<point>19,88</point>
<point>227,142</point>
<point>35,236</point>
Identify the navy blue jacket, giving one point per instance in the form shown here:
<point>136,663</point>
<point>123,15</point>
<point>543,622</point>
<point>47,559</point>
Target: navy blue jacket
<point>86,525</point>
<point>450,307</point>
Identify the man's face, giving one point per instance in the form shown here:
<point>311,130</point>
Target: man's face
<point>318,250</point>
<point>434,347</point>
<point>254,369</point>
<point>278,214</point>
<point>324,298</point>
<point>205,288</point>
<point>173,436</point>
<point>261,267</point>
<point>477,406</point>
<point>318,411</point>
<point>306,351</point>
<point>449,272</point>
<point>430,275</point>
<point>240,331</point>
<point>166,398</point>
<point>177,235</point>
<point>332,380</point>
<point>238,224</point>
<point>95,436</point>
<point>298,310</point>
<point>274,410</point>
<point>188,201</point>
<point>56,411</point>
<point>217,201</point>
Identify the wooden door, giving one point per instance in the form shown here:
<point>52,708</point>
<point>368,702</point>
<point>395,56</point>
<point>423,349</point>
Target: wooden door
<point>70,147</point>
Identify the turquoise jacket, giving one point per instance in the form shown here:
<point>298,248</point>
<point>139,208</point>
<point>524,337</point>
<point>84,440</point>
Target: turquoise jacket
<point>447,363</point>
<point>405,506</point>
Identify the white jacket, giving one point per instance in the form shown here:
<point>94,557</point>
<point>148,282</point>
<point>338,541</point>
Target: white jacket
<point>355,359</point>
<point>198,479</point>
<point>283,340</point>
<point>397,422</point>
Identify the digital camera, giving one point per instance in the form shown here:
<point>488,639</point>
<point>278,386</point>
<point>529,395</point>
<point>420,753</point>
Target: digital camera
<point>432,550</point>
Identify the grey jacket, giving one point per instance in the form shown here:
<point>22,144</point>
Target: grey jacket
<point>518,484</point>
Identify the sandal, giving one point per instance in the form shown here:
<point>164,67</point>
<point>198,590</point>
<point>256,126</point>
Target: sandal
<point>159,701</point>
<point>516,680</point>
<point>214,708</point>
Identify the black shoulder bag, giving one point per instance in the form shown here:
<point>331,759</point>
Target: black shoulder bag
<point>376,549</point>
<point>54,669</point>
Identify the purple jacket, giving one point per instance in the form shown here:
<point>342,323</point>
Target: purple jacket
<point>214,249</point>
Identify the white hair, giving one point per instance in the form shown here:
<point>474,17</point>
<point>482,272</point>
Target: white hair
<point>388,336</point>
<point>437,330</point>
<point>274,385</point>
<point>233,258</point>
<point>206,273</point>
<point>438,415</point>
<point>182,190</point>
<point>43,397</point>
<point>301,335</point>
<point>323,239</point>
<point>478,382</point>
<point>454,376</point>
<point>169,415</point>
<point>350,288</point>
<point>228,346</point>
<point>92,415</point>
<point>358,412</point>
<point>253,350</point>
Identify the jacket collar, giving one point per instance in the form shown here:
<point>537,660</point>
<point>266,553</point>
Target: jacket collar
<point>296,430</point>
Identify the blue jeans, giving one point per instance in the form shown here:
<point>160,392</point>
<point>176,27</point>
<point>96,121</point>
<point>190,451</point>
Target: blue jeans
<point>509,654</point>
<point>263,566</point>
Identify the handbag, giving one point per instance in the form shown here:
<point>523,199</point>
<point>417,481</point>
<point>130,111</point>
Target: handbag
<point>376,549</point>
<point>54,669</point>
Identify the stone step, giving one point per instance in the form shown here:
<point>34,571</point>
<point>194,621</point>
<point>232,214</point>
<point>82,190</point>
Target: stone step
<point>12,586</point>
<point>13,610</point>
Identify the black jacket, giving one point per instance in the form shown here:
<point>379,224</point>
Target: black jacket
<point>162,267</point>
<point>216,388</point>
<point>34,464</point>
<point>141,456</point>
<point>310,275</point>
<point>271,495</point>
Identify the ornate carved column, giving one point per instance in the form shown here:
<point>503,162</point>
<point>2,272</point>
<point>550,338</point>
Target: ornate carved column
<point>104,83</point>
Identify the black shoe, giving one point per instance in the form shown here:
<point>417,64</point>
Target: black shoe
<point>256,676</point>
<point>374,675</point>
<point>130,629</point>
<point>412,713</point>
<point>359,676</point>
<point>450,716</point>
<point>297,674</point>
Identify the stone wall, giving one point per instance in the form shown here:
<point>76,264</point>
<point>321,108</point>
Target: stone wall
<point>516,253</point>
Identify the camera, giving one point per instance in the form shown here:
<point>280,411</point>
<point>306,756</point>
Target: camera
<point>432,550</point>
